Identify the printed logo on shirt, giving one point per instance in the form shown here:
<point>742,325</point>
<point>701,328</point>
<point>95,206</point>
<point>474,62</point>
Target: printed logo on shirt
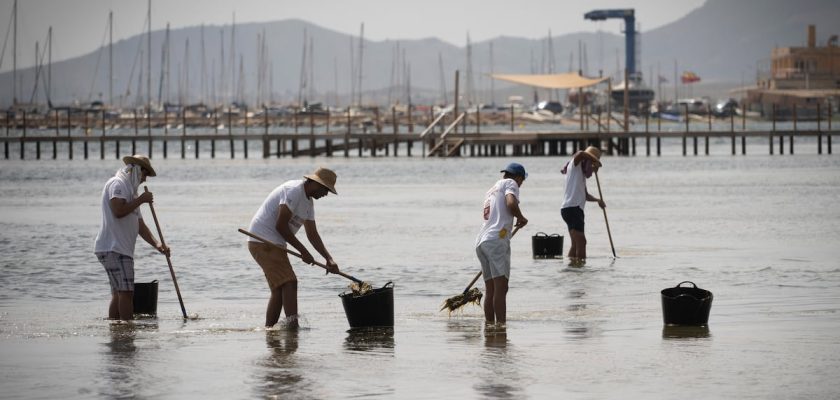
<point>503,233</point>
<point>487,209</point>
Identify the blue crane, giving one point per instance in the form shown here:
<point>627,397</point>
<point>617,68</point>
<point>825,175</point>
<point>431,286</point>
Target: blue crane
<point>629,34</point>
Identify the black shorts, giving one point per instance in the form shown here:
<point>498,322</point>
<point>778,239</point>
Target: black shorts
<point>573,217</point>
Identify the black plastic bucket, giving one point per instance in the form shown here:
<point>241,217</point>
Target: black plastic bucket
<point>547,246</point>
<point>145,298</point>
<point>686,305</point>
<point>374,308</point>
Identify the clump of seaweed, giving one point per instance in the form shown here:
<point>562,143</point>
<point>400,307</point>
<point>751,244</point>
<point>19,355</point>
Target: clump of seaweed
<point>455,302</point>
<point>360,288</point>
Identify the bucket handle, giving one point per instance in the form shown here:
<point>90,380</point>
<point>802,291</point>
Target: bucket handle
<point>556,235</point>
<point>540,234</point>
<point>692,284</point>
<point>385,286</point>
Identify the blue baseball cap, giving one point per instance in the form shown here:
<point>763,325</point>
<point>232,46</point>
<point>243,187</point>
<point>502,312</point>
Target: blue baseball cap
<point>516,169</point>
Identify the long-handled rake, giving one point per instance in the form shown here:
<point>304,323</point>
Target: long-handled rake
<point>468,295</point>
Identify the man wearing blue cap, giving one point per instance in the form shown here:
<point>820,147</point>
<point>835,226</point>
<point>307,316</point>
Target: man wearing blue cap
<point>492,245</point>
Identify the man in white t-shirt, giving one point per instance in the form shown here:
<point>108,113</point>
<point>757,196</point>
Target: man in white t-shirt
<point>577,170</point>
<point>121,223</point>
<point>284,211</point>
<point>492,245</point>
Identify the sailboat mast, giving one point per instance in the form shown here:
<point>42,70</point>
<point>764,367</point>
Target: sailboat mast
<point>203,69</point>
<point>110,57</point>
<point>49,69</point>
<point>361,60</point>
<point>149,60</point>
<point>302,83</point>
<point>492,80</point>
<point>14,54</point>
<point>233,59</point>
<point>186,94</point>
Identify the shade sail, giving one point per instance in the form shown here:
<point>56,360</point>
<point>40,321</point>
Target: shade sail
<point>551,81</point>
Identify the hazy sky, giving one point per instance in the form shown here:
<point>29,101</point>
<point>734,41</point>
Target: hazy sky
<point>79,25</point>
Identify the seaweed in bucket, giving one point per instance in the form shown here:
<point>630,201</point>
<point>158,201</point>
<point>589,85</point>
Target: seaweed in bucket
<point>360,288</point>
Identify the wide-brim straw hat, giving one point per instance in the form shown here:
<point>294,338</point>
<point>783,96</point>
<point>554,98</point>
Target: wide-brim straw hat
<point>142,161</point>
<point>594,154</point>
<point>326,177</point>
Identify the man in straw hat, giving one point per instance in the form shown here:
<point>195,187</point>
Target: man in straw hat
<point>121,223</point>
<point>577,170</point>
<point>492,246</point>
<point>278,219</point>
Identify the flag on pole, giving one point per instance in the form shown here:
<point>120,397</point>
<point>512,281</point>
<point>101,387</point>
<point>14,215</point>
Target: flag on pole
<point>689,77</point>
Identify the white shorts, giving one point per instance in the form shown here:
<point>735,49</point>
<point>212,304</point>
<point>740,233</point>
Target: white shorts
<point>494,256</point>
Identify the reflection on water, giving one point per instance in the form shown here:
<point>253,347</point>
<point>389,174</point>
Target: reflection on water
<point>373,339</point>
<point>499,375</point>
<point>281,370</point>
<point>464,331</point>
<point>580,325</point>
<point>685,332</point>
<point>121,371</point>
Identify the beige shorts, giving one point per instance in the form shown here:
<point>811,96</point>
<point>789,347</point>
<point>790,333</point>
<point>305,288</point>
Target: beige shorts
<point>274,263</point>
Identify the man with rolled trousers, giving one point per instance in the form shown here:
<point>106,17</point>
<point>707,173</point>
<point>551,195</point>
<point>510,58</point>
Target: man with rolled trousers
<point>287,208</point>
<point>121,224</point>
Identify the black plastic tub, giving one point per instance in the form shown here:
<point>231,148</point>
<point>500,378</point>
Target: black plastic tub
<point>686,305</point>
<point>374,308</point>
<point>547,246</point>
<point>145,298</point>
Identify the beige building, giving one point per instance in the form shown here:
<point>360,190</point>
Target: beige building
<point>802,77</point>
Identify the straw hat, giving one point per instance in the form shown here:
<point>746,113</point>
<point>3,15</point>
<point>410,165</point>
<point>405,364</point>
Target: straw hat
<point>594,153</point>
<point>325,177</point>
<point>142,161</point>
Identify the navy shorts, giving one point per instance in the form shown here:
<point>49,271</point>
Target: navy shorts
<point>573,217</point>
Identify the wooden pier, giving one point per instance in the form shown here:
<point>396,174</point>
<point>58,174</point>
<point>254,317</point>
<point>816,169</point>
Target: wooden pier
<point>351,137</point>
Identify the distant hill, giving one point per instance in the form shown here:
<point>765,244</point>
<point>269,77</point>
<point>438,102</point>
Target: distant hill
<point>724,41</point>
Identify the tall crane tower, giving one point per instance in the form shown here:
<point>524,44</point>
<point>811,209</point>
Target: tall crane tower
<point>629,34</point>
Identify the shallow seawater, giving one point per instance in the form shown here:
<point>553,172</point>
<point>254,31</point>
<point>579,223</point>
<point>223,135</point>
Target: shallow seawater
<point>760,232</point>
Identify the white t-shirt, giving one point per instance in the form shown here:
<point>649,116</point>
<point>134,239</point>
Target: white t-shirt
<point>575,195</point>
<point>293,196</point>
<point>117,234</point>
<point>498,220</point>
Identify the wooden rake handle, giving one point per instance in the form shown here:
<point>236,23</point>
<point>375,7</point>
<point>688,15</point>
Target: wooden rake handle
<point>168,260</point>
<point>266,241</point>
<point>601,195</point>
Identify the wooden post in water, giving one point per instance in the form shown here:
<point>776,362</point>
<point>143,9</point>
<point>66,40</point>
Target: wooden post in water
<point>311,134</point>
<point>819,130</point>
<point>102,139</point>
<point>24,134</point>
<point>216,129</point>
<point>781,137</point>
<point>347,135</point>
<point>266,143</point>
<point>69,138</point>
<point>684,137</point>
<point>396,129</point>
<point>86,130</point>
<point>230,131</point>
<point>183,133</point>
<point>165,132</point>
<point>773,129</point>
<point>828,138</point>
<point>6,143</point>
<point>795,129</point>
<point>55,142</point>
<point>732,130</point>
<point>245,140</point>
